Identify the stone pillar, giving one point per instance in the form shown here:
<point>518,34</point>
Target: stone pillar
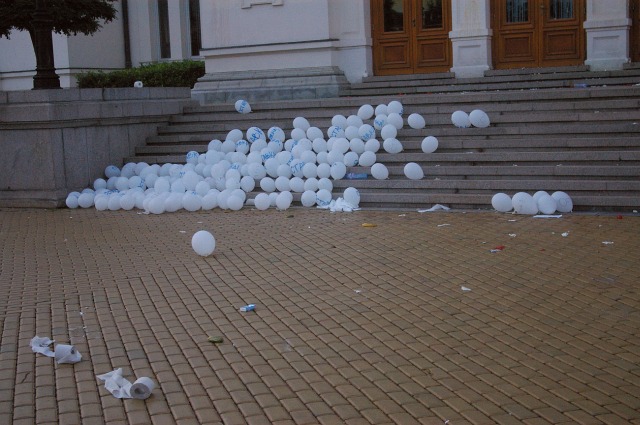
<point>607,31</point>
<point>470,38</point>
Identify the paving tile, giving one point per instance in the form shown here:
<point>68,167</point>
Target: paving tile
<point>527,345</point>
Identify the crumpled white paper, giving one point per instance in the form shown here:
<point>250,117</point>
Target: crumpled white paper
<point>41,345</point>
<point>436,207</point>
<point>339,205</point>
<point>120,387</point>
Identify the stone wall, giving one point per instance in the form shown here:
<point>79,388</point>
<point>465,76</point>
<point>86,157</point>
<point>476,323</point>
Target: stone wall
<point>53,142</point>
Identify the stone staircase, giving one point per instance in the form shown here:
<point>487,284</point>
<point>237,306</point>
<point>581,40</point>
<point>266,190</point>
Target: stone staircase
<point>548,132</point>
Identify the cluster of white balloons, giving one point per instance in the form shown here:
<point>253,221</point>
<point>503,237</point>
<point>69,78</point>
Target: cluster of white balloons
<point>304,163</point>
<point>540,202</point>
<point>477,118</point>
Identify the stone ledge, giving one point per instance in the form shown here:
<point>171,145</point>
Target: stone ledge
<point>305,83</point>
<point>107,94</point>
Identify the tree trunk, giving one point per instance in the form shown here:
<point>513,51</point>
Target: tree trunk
<point>42,39</point>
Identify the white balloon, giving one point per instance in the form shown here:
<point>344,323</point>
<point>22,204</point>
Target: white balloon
<point>379,171</point>
<point>395,107</point>
<point>276,133</point>
<point>429,144</point>
<point>319,145</point>
<point>354,120</point>
<point>395,120</point>
<point>366,132</point>
<point>502,202</point>
<point>388,131</point>
<point>460,119</point>
<point>192,157</point>
<point>301,123</point>
<point>242,106</point>
<point>85,200</point>
<point>323,197</point>
<point>416,121</point>
<point>351,132</point>
<point>210,200</point>
<point>547,204</point>
<point>122,184</point>
<point>341,145</point>
<point>392,145</point>
<point>172,203</point>
<point>312,184</point>
<point>298,133</point>
<point>356,145</point>
<point>111,171</point>
<point>262,201</point>
<point>156,205</point>
<point>564,201</point>
<point>523,203</point>
<point>282,184</point>
<point>351,159</point>
<point>365,112</point>
<point>296,184</point>
<point>247,183</point>
<point>338,170</point>
<point>99,184</point>
<point>284,170</point>
<point>314,133</point>
<point>127,202</point>
<point>352,196</point>
<point>339,121</point>
<point>234,135</point>
<point>381,109</point>
<point>101,202</point>
<point>367,159</point>
<point>479,118</point>
<point>310,170</point>
<point>202,188</point>
<point>268,184</point>
<point>372,145</point>
<point>235,203</point>
<point>538,194</point>
<point>215,145</point>
<point>191,201</point>
<point>114,202</point>
<point>323,170</point>
<point>242,146</point>
<point>325,184</point>
<point>72,201</point>
<point>413,171</point>
<point>283,201</point>
<point>308,198</point>
<point>380,121</point>
<point>203,243</point>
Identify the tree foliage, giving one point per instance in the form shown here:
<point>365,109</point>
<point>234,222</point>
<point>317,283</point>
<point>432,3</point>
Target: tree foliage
<point>70,17</point>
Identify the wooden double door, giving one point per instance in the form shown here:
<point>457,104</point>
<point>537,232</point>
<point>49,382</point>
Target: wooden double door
<point>537,33</point>
<point>411,36</point>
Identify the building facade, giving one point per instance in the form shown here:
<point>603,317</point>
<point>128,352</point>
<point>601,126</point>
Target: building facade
<point>271,45</point>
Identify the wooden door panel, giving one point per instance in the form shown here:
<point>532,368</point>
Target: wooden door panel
<point>411,36</point>
<point>543,35</point>
<point>560,45</point>
<point>394,55</point>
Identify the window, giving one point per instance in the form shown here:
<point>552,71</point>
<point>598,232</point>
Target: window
<point>163,25</point>
<point>194,27</point>
<point>561,9</point>
<point>517,11</point>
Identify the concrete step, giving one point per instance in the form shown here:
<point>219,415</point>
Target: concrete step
<point>585,141</point>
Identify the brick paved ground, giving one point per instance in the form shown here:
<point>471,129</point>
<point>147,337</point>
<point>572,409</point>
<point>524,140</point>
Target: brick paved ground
<point>353,325</point>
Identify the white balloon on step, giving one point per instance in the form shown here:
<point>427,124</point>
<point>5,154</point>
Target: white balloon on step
<point>547,204</point>
<point>365,112</point>
<point>416,121</point>
<point>564,201</point>
<point>429,144</point>
<point>413,171</point>
<point>479,118</point>
<point>523,203</point>
<point>502,202</point>
<point>379,171</point>
<point>460,119</point>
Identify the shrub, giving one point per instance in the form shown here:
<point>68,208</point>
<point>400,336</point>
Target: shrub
<point>165,74</point>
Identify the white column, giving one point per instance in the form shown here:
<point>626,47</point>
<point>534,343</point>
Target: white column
<point>179,29</point>
<point>607,31</point>
<point>470,37</point>
<point>350,26</point>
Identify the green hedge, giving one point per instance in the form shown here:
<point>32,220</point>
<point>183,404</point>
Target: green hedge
<point>165,74</point>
